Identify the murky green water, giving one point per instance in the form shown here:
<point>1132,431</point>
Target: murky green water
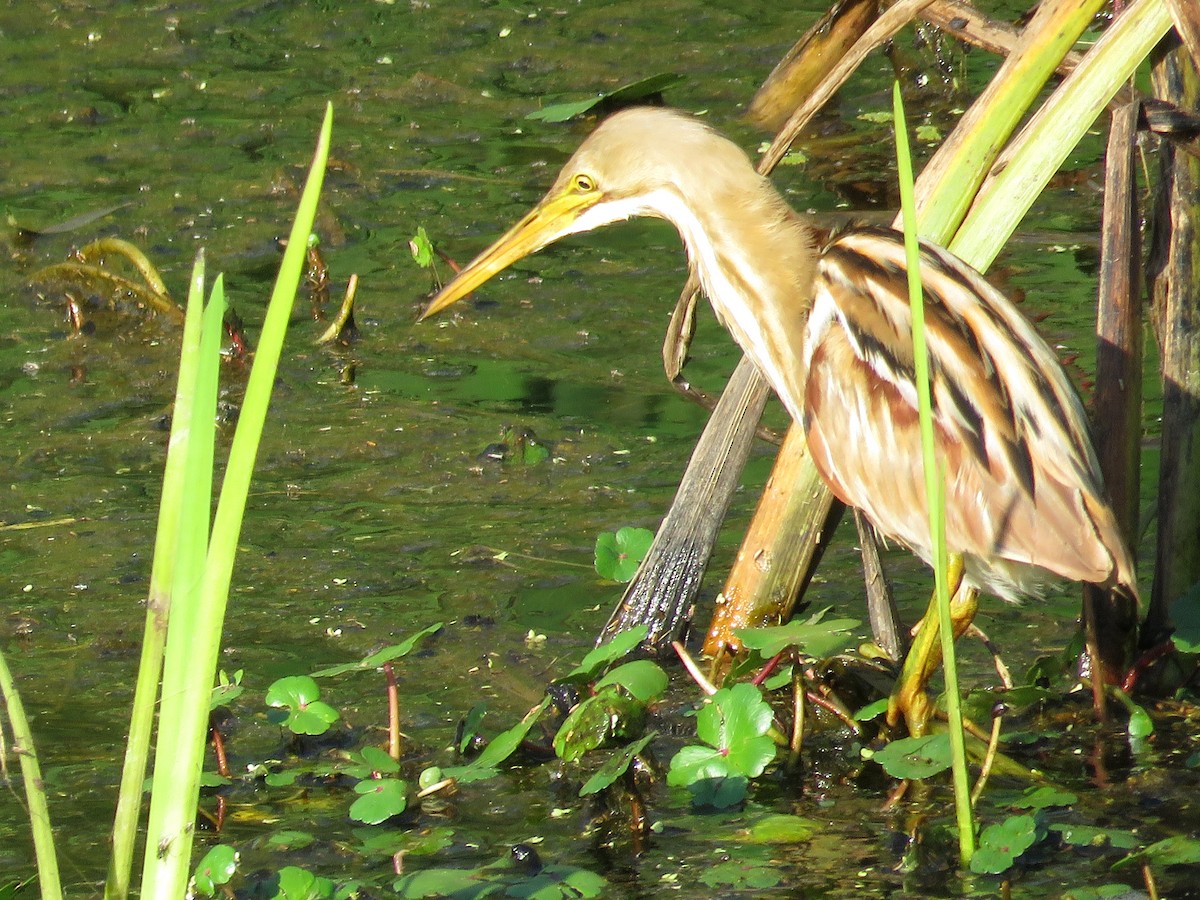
<point>374,513</point>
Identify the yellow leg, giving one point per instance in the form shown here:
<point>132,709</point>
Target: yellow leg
<point>909,698</point>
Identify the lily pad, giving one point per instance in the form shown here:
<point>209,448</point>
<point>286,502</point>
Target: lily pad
<point>299,695</point>
<point>734,724</point>
<point>215,869</point>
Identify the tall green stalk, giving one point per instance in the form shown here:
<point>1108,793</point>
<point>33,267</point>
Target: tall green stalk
<point>35,792</point>
<point>935,497</point>
<point>1037,152</point>
<point>158,605</point>
<point>200,594</point>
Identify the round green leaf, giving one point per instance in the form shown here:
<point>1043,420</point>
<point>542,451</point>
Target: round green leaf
<point>644,679</point>
<point>312,719</point>
<point>781,829</point>
<point>215,868</point>
<point>619,555</point>
<point>299,884</point>
<point>1002,843</point>
<point>290,840</point>
<point>736,721</point>
<point>693,763</point>
<point>381,798</point>
<point>293,691</point>
<point>916,757</point>
<point>1044,797</point>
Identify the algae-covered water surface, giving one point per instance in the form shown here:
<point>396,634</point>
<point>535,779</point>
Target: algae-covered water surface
<point>382,503</point>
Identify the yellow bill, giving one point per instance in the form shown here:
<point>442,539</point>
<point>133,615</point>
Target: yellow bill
<point>553,218</point>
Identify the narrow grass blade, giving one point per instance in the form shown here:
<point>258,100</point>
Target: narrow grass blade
<point>49,883</point>
<point>158,604</point>
<point>170,831</point>
<point>935,499</point>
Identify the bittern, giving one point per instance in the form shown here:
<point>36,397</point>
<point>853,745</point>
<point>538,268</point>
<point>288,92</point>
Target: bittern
<point>830,329</point>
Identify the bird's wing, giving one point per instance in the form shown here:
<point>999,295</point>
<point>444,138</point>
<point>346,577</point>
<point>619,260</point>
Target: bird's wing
<point>1022,482</point>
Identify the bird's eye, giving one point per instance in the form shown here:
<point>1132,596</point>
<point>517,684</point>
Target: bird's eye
<point>584,183</point>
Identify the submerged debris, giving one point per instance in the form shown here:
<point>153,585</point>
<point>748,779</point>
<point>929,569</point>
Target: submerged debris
<point>89,279</point>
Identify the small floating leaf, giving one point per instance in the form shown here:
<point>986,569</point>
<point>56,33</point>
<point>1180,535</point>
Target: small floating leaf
<point>1002,843</point>
<point>290,840</point>
<point>1179,850</point>
<point>734,723</point>
<point>299,884</point>
<point>871,710</point>
<point>619,555</point>
<point>743,875</point>
<point>1044,797</point>
<point>781,829</point>
<point>1091,836</point>
<point>214,869</point>
<point>918,757</point>
<point>381,798</point>
<point>370,762</point>
<point>421,248</point>
<point>306,713</point>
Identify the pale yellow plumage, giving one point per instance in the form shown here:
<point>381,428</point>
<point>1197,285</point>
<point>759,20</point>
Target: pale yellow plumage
<point>830,330</point>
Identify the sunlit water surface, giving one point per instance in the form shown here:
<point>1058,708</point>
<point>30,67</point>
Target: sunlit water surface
<point>375,512</point>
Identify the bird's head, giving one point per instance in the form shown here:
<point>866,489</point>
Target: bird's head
<point>645,161</point>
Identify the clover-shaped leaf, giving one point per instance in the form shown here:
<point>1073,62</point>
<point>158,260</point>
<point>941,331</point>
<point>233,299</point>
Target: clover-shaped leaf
<point>734,724</point>
<point>1002,843</point>
<point>619,555</point>
<point>299,696</point>
<point>371,762</point>
<point>379,800</point>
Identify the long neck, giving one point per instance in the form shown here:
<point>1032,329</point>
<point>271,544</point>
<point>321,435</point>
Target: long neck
<point>756,261</point>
